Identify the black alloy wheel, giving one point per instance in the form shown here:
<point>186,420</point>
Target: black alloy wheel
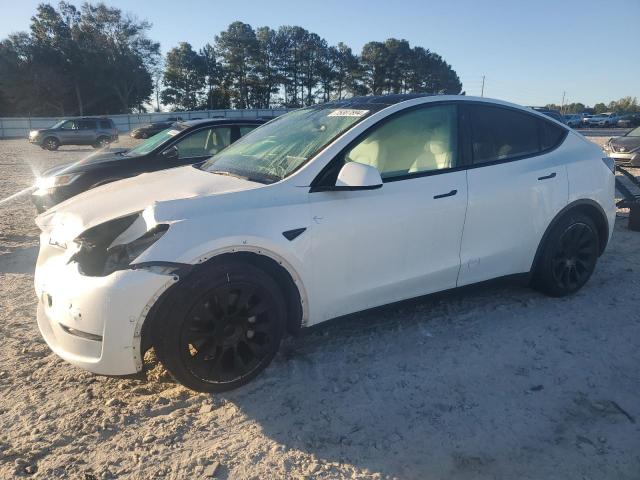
<point>221,326</point>
<point>228,332</point>
<point>575,256</point>
<point>568,257</point>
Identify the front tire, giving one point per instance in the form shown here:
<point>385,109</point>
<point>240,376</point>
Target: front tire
<point>569,256</point>
<point>223,327</point>
<point>50,143</point>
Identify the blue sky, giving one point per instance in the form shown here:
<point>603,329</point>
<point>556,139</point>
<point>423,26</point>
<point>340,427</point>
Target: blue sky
<point>529,52</point>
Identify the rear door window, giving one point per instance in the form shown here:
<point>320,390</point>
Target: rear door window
<point>86,124</point>
<point>502,133</point>
<point>105,124</point>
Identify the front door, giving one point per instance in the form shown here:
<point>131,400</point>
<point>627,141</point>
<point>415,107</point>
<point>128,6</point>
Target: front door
<point>199,145</point>
<point>374,247</point>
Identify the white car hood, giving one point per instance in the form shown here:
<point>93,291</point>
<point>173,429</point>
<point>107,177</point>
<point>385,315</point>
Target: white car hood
<point>117,199</point>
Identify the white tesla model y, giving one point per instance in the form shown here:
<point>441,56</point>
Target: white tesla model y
<point>322,212</point>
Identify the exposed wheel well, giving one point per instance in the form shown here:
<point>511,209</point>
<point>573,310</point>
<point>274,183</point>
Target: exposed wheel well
<point>267,264</point>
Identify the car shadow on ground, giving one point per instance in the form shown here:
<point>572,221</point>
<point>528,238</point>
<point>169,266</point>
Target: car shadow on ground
<point>396,409</point>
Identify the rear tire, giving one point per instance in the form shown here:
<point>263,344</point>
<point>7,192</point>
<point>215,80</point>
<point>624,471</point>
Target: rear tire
<point>50,143</point>
<point>223,326</point>
<point>569,256</point>
<point>102,142</point>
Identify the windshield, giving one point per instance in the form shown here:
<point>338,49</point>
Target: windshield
<point>153,142</point>
<point>277,149</point>
<point>634,133</point>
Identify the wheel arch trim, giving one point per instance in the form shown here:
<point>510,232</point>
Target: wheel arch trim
<point>265,252</point>
<point>174,279</point>
<point>577,204</point>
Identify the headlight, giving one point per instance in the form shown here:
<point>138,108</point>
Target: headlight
<point>33,134</point>
<point>47,183</point>
<point>101,252</point>
<point>121,256</point>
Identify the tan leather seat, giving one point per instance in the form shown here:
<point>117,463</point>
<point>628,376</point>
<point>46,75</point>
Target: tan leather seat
<point>366,152</point>
<point>504,151</point>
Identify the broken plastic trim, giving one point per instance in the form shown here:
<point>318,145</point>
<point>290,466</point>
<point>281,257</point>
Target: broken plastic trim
<point>96,258</point>
<point>164,268</point>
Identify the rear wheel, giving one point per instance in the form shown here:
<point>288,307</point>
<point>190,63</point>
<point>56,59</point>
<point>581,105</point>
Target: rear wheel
<point>102,142</point>
<point>569,256</point>
<point>50,143</point>
<point>224,326</point>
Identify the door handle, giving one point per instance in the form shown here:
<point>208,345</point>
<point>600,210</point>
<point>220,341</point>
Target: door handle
<point>450,194</point>
<point>547,177</point>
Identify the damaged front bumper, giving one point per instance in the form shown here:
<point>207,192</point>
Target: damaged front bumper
<point>94,322</point>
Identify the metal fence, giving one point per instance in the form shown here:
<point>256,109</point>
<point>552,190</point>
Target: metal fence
<point>17,127</point>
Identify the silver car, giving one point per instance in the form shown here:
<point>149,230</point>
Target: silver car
<point>94,131</point>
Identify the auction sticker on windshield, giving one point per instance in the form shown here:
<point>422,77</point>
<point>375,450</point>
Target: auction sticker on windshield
<point>173,132</point>
<point>348,112</point>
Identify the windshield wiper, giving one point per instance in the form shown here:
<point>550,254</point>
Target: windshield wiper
<point>243,177</point>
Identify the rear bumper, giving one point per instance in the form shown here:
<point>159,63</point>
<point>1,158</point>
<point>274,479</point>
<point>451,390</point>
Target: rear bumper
<point>95,322</point>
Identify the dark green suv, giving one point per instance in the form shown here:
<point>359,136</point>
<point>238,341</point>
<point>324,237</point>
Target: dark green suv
<point>97,132</point>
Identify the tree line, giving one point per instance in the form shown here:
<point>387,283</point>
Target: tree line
<point>97,60</point>
<point>292,67</point>
<point>77,61</point>
<point>623,105</point>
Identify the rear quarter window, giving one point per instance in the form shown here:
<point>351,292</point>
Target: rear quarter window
<point>550,135</point>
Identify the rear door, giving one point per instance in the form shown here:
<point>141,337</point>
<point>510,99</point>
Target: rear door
<point>517,184</point>
<point>86,133</point>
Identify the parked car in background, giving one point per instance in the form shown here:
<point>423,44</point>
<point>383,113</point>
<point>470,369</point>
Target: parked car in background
<point>625,150</point>
<point>603,120</point>
<point>95,131</point>
<point>185,143</point>
<point>325,211</point>
<point>150,129</point>
<point>585,119</point>
<point>555,114</point>
<point>630,120</point>
<point>574,120</point>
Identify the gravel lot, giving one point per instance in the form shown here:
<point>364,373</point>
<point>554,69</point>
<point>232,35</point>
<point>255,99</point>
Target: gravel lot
<point>492,382</point>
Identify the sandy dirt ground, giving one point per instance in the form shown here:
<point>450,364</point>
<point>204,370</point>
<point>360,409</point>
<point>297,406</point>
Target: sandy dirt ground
<point>497,382</point>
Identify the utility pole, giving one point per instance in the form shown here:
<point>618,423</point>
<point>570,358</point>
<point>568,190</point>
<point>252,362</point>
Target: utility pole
<point>482,91</point>
<point>562,104</point>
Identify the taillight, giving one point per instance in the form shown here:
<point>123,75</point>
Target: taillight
<point>610,163</point>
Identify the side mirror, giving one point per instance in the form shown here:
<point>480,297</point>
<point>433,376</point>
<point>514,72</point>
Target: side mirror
<point>170,153</point>
<point>358,176</point>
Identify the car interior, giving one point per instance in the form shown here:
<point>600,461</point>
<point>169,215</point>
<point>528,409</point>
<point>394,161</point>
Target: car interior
<point>418,141</point>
